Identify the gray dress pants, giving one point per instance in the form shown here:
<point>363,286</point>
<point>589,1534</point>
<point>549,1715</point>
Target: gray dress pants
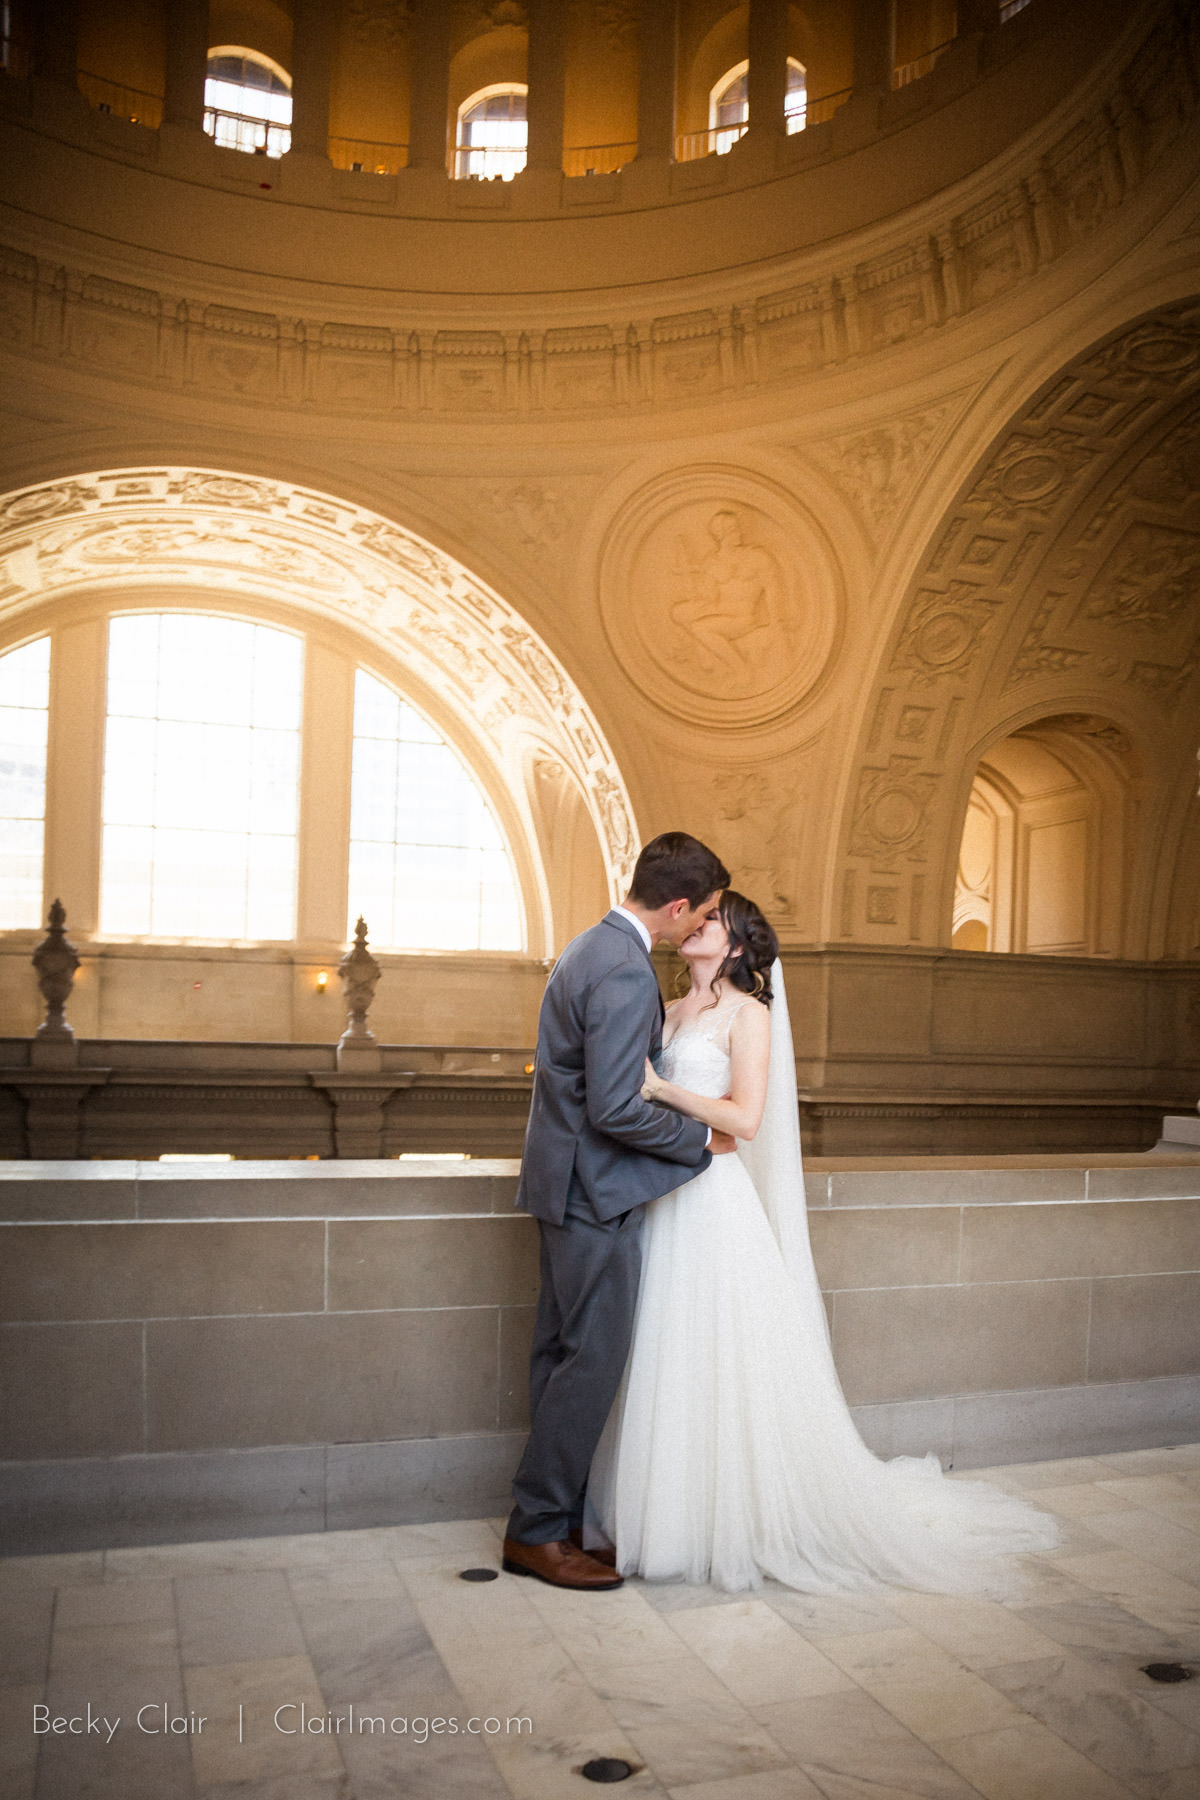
<point>589,1273</point>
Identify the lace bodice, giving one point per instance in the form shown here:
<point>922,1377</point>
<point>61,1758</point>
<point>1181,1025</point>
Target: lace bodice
<point>697,1057</point>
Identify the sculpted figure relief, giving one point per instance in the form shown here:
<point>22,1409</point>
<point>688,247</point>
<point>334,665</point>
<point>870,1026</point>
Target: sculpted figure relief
<point>725,596</point>
<point>720,597</point>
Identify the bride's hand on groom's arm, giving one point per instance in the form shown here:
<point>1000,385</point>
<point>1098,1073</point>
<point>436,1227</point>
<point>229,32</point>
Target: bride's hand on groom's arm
<point>722,1142</point>
<point>653,1083</point>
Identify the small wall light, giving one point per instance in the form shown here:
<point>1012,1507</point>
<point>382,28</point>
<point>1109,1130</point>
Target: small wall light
<point>322,980</point>
<point>529,1068</point>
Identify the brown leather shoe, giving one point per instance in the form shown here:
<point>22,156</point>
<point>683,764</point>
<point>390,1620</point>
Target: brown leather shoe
<point>559,1563</point>
<point>601,1553</point>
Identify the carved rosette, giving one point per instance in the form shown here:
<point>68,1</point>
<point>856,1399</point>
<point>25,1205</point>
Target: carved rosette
<point>383,23</point>
<point>891,816</point>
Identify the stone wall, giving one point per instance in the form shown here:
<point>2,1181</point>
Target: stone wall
<point>269,1348</point>
<point>896,1051</point>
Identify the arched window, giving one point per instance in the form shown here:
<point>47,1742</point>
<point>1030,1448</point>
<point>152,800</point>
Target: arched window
<point>229,811</point>
<point>492,133</point>
<point>24,712</point>
<point>729,104</point>
<point>201,778</point>
<point>248,101</point>
<point>428,866</point>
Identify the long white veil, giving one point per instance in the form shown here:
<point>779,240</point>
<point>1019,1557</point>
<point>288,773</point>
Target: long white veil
<point>775,1161</point>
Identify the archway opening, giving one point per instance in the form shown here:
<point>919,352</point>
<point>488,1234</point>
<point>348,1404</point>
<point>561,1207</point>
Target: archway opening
<point>1042,866</point>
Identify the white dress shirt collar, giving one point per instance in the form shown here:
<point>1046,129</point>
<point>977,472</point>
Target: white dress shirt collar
<point>637,925</point>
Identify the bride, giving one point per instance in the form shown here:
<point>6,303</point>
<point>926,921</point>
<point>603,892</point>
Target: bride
<point>730,1453</point>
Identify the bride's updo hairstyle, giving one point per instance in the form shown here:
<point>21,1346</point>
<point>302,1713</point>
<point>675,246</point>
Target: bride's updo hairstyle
<point>753,947</point>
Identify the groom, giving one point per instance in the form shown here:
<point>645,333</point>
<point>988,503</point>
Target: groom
<point>595,1152</point>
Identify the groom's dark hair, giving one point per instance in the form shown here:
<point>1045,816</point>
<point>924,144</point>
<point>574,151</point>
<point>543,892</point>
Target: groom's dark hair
<point>675,866</point>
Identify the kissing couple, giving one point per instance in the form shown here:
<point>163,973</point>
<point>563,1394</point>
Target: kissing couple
<point>687,1422</point>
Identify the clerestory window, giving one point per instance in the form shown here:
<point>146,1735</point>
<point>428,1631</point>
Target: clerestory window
<point>248,102</point>
<point>729,104</point>
<point>492,133</point>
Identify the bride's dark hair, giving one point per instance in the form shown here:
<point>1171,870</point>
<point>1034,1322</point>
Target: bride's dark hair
<point>753,947</point>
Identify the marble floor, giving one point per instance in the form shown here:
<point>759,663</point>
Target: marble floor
<point>1033,1695</point>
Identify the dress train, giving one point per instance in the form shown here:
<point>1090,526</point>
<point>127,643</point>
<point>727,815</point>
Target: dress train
<point>730,1454</point>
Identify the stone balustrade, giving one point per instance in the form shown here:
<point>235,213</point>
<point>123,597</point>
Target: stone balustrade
<point>897,1051</point>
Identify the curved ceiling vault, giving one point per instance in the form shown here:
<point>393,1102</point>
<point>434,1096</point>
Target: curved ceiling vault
<point>1065,578</point>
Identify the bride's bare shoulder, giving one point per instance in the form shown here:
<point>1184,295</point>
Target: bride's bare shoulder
<point>749,1025</point>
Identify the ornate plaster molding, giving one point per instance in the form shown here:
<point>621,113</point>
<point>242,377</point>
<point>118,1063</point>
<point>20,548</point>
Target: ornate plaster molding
<point>137,532</point>
<point>721,597</point>
<point>1066,567</point>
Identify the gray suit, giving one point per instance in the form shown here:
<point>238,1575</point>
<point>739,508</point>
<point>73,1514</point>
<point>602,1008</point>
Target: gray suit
<point>595,1152</point>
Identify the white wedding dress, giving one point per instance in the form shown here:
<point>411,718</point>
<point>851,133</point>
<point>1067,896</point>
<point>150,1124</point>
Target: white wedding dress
<point>730,1454</point>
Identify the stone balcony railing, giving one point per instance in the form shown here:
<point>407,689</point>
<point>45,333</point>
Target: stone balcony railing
<point>898,1051</point>
<point>205,1352</point>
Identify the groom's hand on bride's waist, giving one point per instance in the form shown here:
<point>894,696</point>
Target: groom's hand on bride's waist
<point>722,1142</point>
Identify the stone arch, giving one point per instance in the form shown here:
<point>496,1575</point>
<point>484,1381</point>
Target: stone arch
<point>455,646</point>
<point>1044,857</point>
<point>1063,579</point>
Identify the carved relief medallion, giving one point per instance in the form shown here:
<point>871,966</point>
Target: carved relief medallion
<point>720,597</point>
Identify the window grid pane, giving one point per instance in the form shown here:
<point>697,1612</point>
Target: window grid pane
<point>24,722</point>
<point>493,136</point>
<point>201,778</point>
<point>429,869</point>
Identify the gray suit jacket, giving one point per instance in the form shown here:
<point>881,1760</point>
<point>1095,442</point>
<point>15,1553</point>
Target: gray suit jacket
<point>589,1128</point>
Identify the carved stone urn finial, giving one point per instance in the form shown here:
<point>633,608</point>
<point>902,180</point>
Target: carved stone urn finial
<point>360,977</point>
<point>56,960</point>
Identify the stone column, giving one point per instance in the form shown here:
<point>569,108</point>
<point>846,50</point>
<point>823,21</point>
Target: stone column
<point>326,758</point>
<point>767,81</point>
<point>873,46</point>
<point>429,86</point>
<point>547,72</point>
<point>187,63</point>
<point>657,51</point>
<point>75,762</point>
<point>312,70</point>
